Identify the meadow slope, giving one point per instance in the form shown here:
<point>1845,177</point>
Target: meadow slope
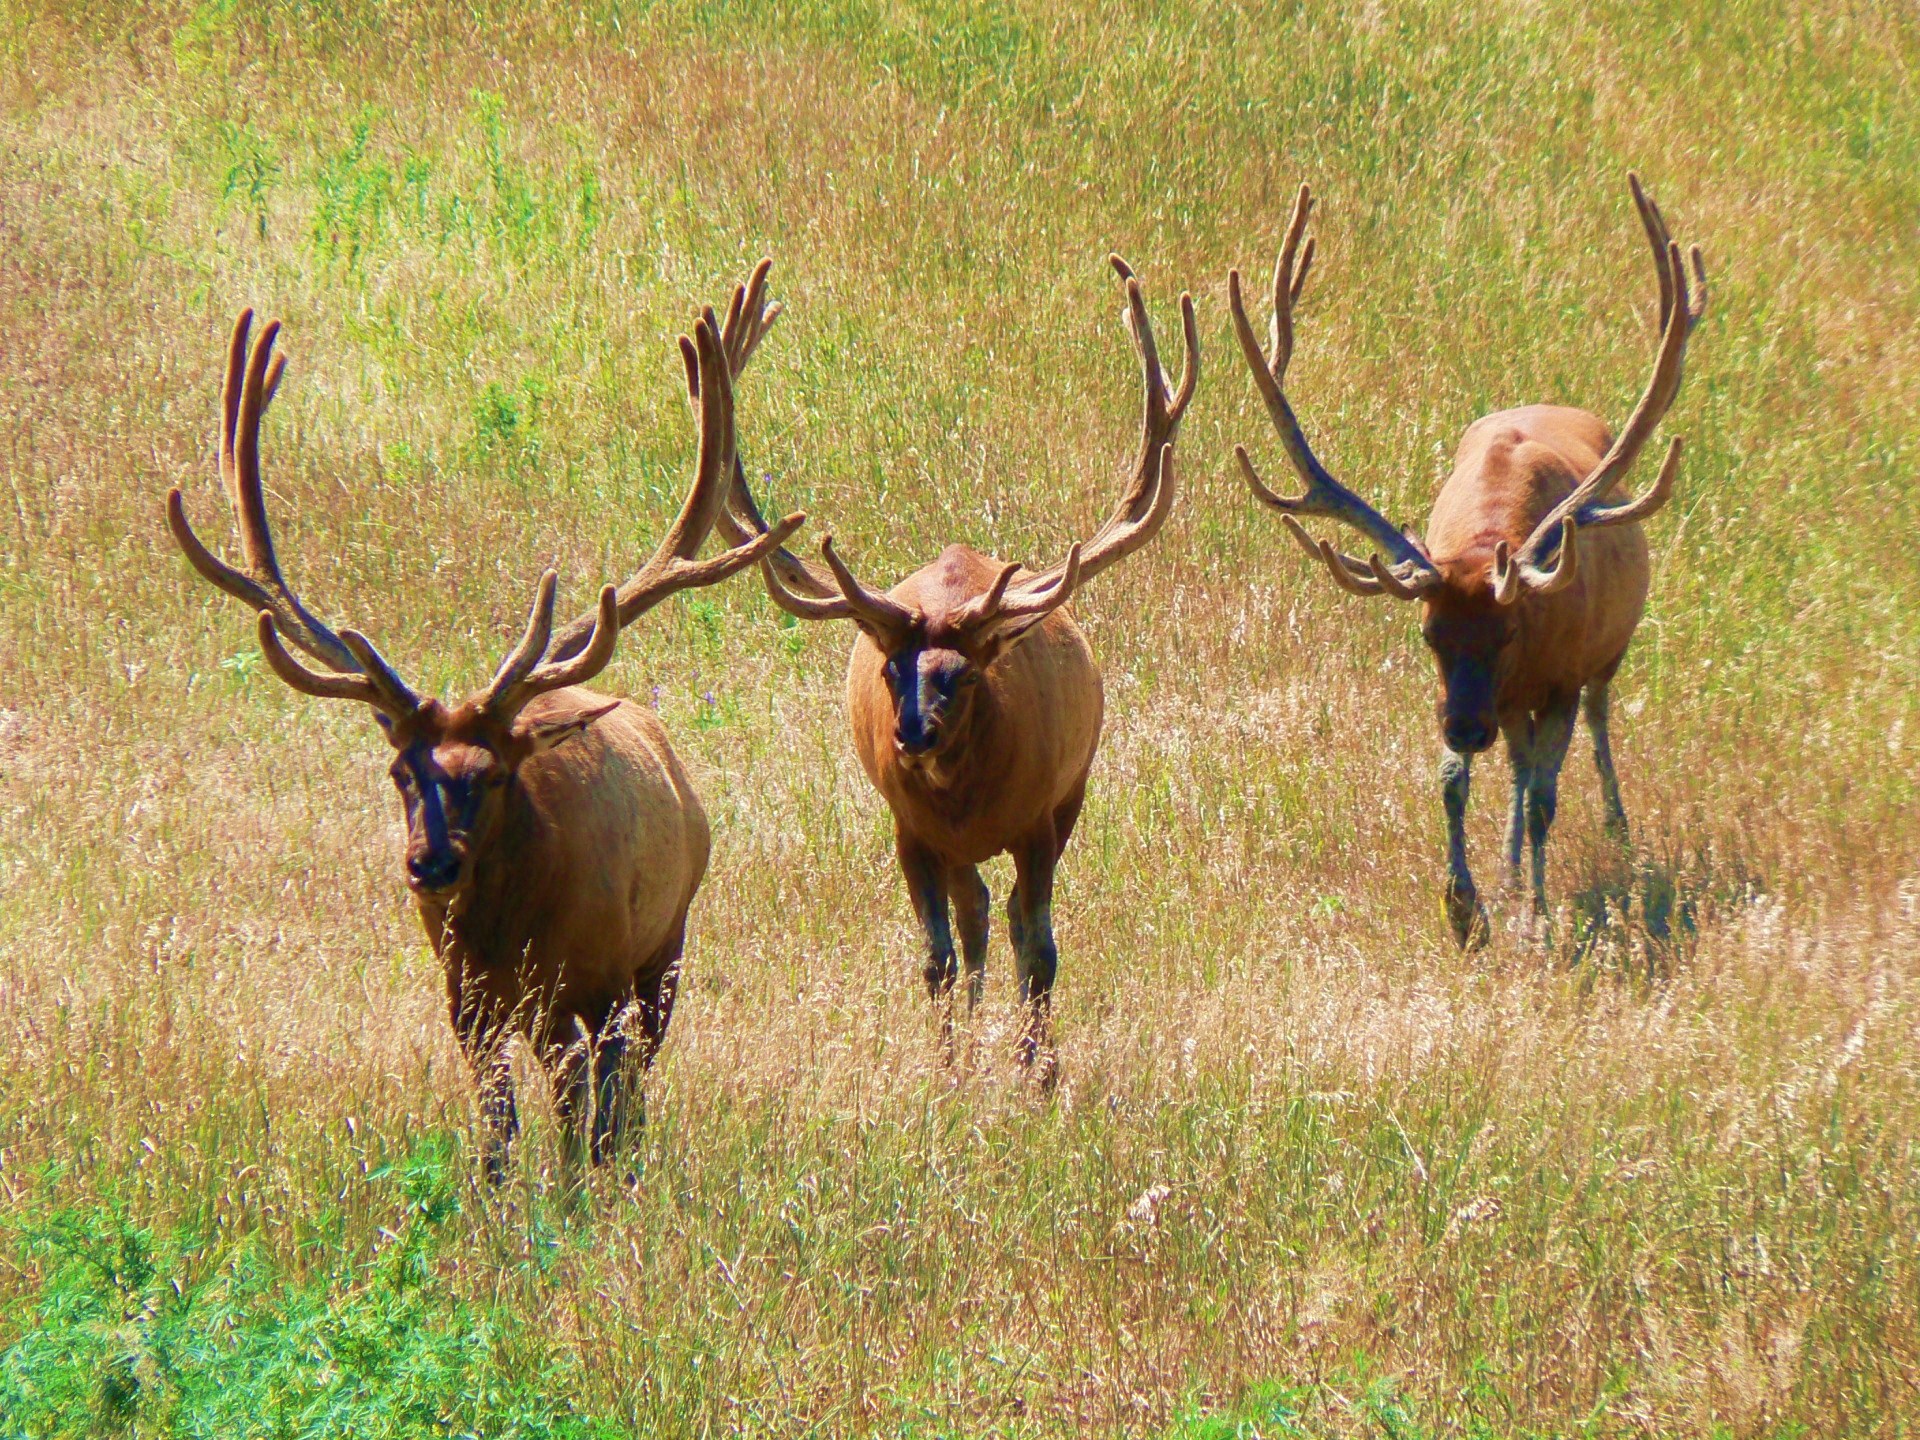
<point>1656,1177</point>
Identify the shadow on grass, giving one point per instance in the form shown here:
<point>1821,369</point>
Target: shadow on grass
<point>1641,916</point>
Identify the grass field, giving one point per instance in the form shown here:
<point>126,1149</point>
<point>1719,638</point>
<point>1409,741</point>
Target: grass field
<point>1309,1169</point>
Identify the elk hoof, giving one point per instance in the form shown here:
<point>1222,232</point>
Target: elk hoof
<point>1466,916</point>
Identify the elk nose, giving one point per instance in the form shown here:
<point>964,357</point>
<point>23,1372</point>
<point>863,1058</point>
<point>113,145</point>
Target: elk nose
<point>433,872</point>
<point>1467,734</point>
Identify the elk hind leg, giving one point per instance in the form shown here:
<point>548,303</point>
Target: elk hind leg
<point>1596,706</point>
<point>613,1090</point>
<point>1036,957</point>
<point>623,1060</point>
<point>570,1048</point>
<point>1552,732</point>
<point>1519,738</point>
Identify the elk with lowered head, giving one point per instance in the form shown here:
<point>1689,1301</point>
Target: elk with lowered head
<point>974,699</point>
<point>1533,574</point>
<point>554,843</point>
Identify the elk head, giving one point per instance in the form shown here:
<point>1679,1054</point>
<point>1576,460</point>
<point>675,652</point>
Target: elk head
<point>933,664</point>
<point>455,765</point>
<point>1474,605</point>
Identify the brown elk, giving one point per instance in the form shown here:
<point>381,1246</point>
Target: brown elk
<point>554,843</point>
<point>974,699</point>
<point>1531,579</point>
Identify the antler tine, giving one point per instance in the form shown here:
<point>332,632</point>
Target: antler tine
<point>558,674</point>
<point>1324,495</point>
<point>1593,517</point>
<point>252,377</point>
<point>533,644</point>
<point>1408,586</point>
<point>1345,573</point>
<point>749,318</point>
<point>332,686</point>
<point>1288,283</point>
<point>985,607</point>
<point>399,696</point>
<point>866,607</point>
<point>1655,225</point>
<point>1512,576</point>
<point>525,678</point>
<point>1681,308</point>
<point>714,468</point>
<point>1003,612</point>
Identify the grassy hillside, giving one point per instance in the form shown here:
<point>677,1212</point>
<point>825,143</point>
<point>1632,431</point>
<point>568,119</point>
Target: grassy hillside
<point>1656,1177</point>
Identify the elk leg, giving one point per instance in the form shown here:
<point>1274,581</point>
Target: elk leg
<point>620,1101</point>
<point>1036,958</point>
<point>1465,913</point>
<point>927,884</point>
<point>972,906</point>
<point>1596,707</point>
<point>1519,738</point>
<point>570,1067</point>
<point>1552,732</point>
<point>483,1040</point>
<point>612,1092</point>
<point>1066,815</point>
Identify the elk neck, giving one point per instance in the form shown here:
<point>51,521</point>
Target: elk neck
<point>491,921</point>
<point>968,767</point>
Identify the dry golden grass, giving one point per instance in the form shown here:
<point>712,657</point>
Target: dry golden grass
<point>1655,1178</point>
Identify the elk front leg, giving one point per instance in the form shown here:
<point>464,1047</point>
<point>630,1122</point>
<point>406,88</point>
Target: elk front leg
<point>480,1027</point>
<point>927,885</point>
<point>1465,914</point>
<point>1552,732</point>
<point>1596,708</point>
<point>1030,924</point>
<point>972,907</point>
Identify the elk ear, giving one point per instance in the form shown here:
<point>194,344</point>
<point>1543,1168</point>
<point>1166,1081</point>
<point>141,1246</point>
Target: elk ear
<point>543,735</point>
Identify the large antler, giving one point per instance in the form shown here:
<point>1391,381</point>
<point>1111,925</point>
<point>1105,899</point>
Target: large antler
<point>1680,311</point>
<point>797,587</point>
<point>1009,605</point>
<point>1148,498</point>
<point>672,566</point>
<point>1406,572</point>
<point>360,672</point>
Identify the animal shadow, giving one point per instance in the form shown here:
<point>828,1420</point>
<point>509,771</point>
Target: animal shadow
<point>1641,916</point>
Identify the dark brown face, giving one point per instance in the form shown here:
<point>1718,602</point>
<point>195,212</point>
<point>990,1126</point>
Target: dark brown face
<point>932,689</point>
<point>1472,639</point>
<point>453,793</point>
<point>455,770</point>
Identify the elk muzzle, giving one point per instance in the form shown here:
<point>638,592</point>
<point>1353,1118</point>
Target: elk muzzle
<point>1468,723</point>
<point>925,685</point>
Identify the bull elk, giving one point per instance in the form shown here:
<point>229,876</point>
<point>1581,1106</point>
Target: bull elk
<point>1532,577</point>
<point>554,843</point>
<point>974,699</point>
